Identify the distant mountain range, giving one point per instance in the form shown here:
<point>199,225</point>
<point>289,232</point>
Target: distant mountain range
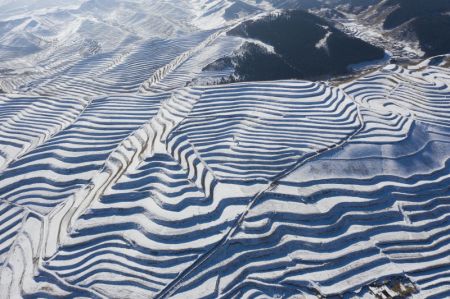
<point>422,21</point>
<point>427,22</point>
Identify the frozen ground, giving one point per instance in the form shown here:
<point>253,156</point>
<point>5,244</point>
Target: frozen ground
<point>119,178</point>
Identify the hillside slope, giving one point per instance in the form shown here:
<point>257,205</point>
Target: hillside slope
<point>123,176</point>
<point>212,192</point>
<point>304,47</point>
<point>415,21</point>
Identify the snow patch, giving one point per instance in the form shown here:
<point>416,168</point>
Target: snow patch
<point>323,43</point>
<point>270,49</point>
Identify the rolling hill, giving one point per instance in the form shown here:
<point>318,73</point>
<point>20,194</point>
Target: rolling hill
<point>301,46</point>
<point>125,173</point>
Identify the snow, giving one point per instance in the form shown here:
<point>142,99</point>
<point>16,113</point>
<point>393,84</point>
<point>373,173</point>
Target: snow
<point>270,49</point>
<point>121,178</point>
<point>323,43</point>
<point>371,63</point>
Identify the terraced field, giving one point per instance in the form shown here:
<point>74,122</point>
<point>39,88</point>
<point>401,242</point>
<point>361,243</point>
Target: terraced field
<point>241,190</point>
<point>122,176</point>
